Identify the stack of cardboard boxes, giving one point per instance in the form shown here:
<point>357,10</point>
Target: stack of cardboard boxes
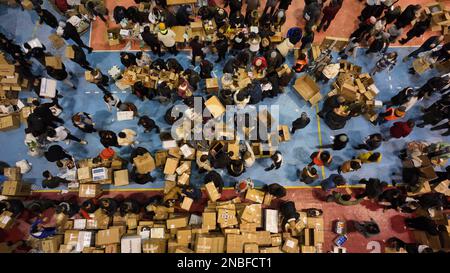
<point>357,87</point>
<point>11,83</point>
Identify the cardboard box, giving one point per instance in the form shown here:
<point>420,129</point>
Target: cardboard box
<point>89,190</point>
<point>178,222</point>
<point>215,107</point>
<point>121,178</point>
<point>160,158</point>
<point>57,42</point>
<point>183,249</point>
<point>112,248</point>
<point>255,195</point>
<point>187,203</point>
<point>235,243</point>
<point>79,224</point>
<point>251,248</point>
<point>443,187</point>
<point>130,244</point>
<point>268,199</point>
<point>51,245</point>
<point>16,188</point>
<point>291,246</point>
<point>203,244</point>
<point>108,236</point>
<point>213,193</point>
<point>144,163</point>
<point>54,62</point>
<point>308,89</point>
<point>69,52</point>
<point>154,246</point>
<point>226,217</point>
<point>7,69</point>
<point>184,236</point>
<point>9,122</point>
<point>183,179</point>
<point>171,165</point>
<point>308,249</point>
<point>12,173</point>
<point>212,85</point>
<point>283,133</point>
<point>209,220</point>
<point>84,174</point>
<point>252,214</point>
<point>6,220</point>
<point>196,26</point>
<point>273,249</point>
<point>276,239</point>
<point>48,88</point>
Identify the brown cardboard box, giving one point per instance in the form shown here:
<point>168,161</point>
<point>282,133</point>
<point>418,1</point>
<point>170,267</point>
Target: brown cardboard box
<point>89,190</point>
<point>9,122</point>
<point>160,158</point>
<point>16,188</point>
<point>209,220</point>
<point>252,213</point>
<point>6,220</point>
<point>235,243</point>
<point>13,173</point>
<point>212,85</point>
<point>443,187</point>
<point>187,203</point>
<point>84,174</point>
<point>154,246</point>
<point>273,249</point>
<point>53,61</point>
<point>183,249</point>
<point>121,178</point>
<point>197,25</point>
<point>226,218</point>
<point>132,220</point>
<point>203,244</point>
<point>283,133</point>
<point>183,179</point>
<point>144,163</point>
<point>308,89</point>
<point>291,246</point>
<point>308,249</point>
<point>276,239</point>
<point>213,193</point>
<point>7,69</point>
<point>51,245</point>
<point>267,199</point>
<point>184,236</point>
<point>112,248</point>
<point>255,195</point>
<point>57,42</point>
<point>108,236</point>
<point>70,53</point>
<point>251,248</point>
<point>178,222</point>
<point>171,165</point>
<point>215,107</point>
<point>71,237</point>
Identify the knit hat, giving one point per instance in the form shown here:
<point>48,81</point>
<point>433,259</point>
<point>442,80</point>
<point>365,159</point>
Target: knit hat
<point>400,111</point>
<point>107,153</point>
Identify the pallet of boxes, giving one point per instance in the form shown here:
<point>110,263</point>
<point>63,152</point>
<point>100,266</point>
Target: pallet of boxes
<point>13,188</point>
<point>11,83</point>
<point>358,88</point>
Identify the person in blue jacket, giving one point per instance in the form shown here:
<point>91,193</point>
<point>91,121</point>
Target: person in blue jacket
<point>38,231</point>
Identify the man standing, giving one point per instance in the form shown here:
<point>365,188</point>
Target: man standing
<point>429,44</point>
<point>71,32</point>
<point>329,13</point>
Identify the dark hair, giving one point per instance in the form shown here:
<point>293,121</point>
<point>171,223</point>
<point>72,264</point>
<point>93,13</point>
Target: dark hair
<point>146,29</point>
<point>302,56</point>
<point>96,160</point>
<point>313,171</point>
<point>374,157</point>
<point>59,164</point>
<point>46,174</point>
<point>122,135</point>
<point>35,103</point>
<point>59,209</point>
<point>355,164</point>
<point>51,132</point>
<point>339,180</point>
<point>411,123</point>
<point>203,158</point>
<point>139,54</point>
<point>325,156</point>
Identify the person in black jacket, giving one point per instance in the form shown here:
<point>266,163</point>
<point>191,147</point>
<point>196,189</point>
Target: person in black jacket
<point>36,52</point>
<point>197,49</point>
<point>47,17</point>
<point>422,223</point>
<point>51,181</point>
<point>339,142</point>
<point>89,205</point>
<point>330,103</point>
<point>216,178</point>
<point>289,214</point>
<point>109,206</point>
<point>222,46</point>
<point>127,59</point>
<point>61,75</point>
<point>183,14</point>
<point>141,91</point>
<point>236,167</point>
<point>415,248</point>
<point>141,179</point>
<point>235,5</point>
<point>300,123</point>
<point>275,189</point>
<point>71,32</point>
<point>68,208</point>
<point>108,138</point>
<point>15,206</point>
<point>80,58</point>
<point>206,67</point>
<point>220,16</point>
<point>38,206</point>
<point>418,29</point>
<point>277,160</point>
<point>148,124</point>
<point>152,41</point>
<point>56,153</point>
<point>43,110</point>
<point>374,188</point>
<point>129,205</point>
<point>372,142</point>
<point>429,44</point>
<point>407,16</point>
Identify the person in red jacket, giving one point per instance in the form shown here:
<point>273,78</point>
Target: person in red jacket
<point>401,129</point>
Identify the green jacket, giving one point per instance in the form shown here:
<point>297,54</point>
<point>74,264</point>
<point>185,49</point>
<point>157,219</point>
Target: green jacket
<point>340,201</point>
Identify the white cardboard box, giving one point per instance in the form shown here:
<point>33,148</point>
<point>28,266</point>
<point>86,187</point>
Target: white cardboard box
<point>271,220</point>
<point>48,88</point>
<point>79,224</point>
<point>124,115</point>
<point>131,244</point>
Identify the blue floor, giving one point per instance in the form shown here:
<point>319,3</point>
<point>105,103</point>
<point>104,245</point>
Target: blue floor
<point>20,25</point>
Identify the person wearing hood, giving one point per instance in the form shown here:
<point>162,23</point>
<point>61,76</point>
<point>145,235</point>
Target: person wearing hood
<point>300,123</point>
<point>152,41</point>
<point>183,15</point>
<point>418,29</point>
<point>128,59</point>
<point>167,38</point>
<point>67,208</point>
<point>71,32</point>
<point>237,20</point>
<point>221,45</point>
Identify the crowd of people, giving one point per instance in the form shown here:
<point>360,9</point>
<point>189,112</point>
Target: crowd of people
<point>381,24</point>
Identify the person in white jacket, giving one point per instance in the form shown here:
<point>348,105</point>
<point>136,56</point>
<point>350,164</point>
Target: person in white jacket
<point>127,138</point>
<point>167,38</point>
<point>61,133</point>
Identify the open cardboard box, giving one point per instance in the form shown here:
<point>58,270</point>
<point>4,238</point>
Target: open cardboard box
<point>308,89</point>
